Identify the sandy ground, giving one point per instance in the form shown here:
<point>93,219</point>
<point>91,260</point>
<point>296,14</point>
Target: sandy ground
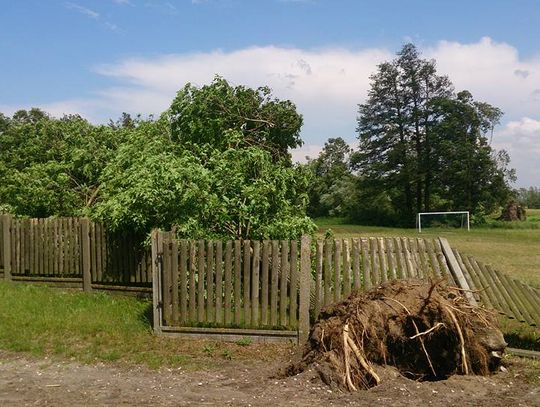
<point>25,381</point>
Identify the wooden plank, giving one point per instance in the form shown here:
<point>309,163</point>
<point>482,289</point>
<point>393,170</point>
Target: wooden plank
<point>85,248</point>
<point>184,249</point>
<point>337,269</point>
<point>14,247</point>
<point>50,244</point>
<point>505,293</point>
<point>57,255</point>
<point>201,272</point>
<point>456,270</point>
<point>519,298</point>
<point>6,243</point>
<point>210,274</point>
<point>375,265</point>
<point>93,256</point>
<point>424,260</point>
<point>31,246</point>
<point>266,253</point>
<point>485,294</point>
<point>274,283</point>
<point>467,275</point>
<point>391,256</point>
<point>293,321</point>
<point>61,236</point>
<point>305,286</point>
<point>175,300</point>
<point>534,306</point>
<point>255,284</point>
<point>156,277</point>
<point>346,268</point>
<point>488,286</point>
<point>192,287</point>
<point>283,279</point>
<point>433,259</point>
<point>356,263</point>
<point>237,282</point>
<point>328,272</point>
<point>443,263</point>
<point>40,245</point>
<point>411,270</point>
<point>35,246</point>
<point>383,260</point>
<point>228,282</point>
<point>219,282</point>
<point>366,267</point>
<point>247,282</point>
<point>319,256</point>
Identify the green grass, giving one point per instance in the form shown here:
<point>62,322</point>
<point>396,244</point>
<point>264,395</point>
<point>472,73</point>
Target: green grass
<point>513,251</point>
<point>100,327</point>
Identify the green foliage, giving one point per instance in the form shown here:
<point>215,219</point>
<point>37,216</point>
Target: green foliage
<point>530,197</point>
<point>204,116</point>
<point>215,165</point>
<point>51,166</point>
<point>331,191</point>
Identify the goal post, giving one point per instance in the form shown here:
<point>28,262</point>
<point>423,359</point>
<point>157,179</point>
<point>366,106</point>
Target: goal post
<point>420,214</point>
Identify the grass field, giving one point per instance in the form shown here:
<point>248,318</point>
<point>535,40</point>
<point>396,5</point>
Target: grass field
<point>515,251</point>
<point>101,327</point>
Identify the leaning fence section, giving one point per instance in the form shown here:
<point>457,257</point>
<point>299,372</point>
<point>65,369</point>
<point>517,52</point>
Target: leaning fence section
<point>343,265</point>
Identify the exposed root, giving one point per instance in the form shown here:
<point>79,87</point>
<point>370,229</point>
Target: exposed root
<point>428,331</point>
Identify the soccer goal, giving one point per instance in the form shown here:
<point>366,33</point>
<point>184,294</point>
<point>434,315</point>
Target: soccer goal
<point>464,214</point>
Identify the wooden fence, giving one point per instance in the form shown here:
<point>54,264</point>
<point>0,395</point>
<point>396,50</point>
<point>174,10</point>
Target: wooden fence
<point>269,289</point>
<point>73,252</point>
<point>253,288</point>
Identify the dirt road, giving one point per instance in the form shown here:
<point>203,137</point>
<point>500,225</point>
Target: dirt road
<point>25,381</point>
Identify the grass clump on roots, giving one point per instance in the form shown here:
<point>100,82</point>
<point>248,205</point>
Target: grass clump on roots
<point>427,331</point>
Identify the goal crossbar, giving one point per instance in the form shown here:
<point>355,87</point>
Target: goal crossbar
<point>419,217</point>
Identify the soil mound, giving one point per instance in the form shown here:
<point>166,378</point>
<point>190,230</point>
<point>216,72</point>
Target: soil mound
<point>427,331</point>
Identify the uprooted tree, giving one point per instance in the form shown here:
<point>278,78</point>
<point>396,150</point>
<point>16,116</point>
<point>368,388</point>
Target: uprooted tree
<point>427,331</point>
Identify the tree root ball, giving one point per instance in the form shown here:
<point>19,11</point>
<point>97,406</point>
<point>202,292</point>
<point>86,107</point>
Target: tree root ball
<point>427,331</point>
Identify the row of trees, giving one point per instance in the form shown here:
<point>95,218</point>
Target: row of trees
<point>216,164</point>
<point>422,147</point>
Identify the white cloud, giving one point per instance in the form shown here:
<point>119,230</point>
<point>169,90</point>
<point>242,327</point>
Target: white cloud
<point>521,138</point>
<point>327,84</point>
<point>83,10</point>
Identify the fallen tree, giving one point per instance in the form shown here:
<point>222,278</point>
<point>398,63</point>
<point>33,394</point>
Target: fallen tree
<point>427,331</point>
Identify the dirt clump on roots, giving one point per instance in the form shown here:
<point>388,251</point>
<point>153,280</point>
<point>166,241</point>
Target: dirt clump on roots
<point>425,330</point>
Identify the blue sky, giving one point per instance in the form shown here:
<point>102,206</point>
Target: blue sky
<point>99,58</point>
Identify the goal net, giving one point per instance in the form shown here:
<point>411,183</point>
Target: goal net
<point>452,219</point>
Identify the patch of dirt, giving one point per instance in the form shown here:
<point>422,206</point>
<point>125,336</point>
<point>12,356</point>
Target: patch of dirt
<point>25,381</point>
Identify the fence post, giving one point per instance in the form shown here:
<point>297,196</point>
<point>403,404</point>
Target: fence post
<point>157,248</point>
<point>85,247</point>
<point>305,285</point>
<point>6,240</point>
